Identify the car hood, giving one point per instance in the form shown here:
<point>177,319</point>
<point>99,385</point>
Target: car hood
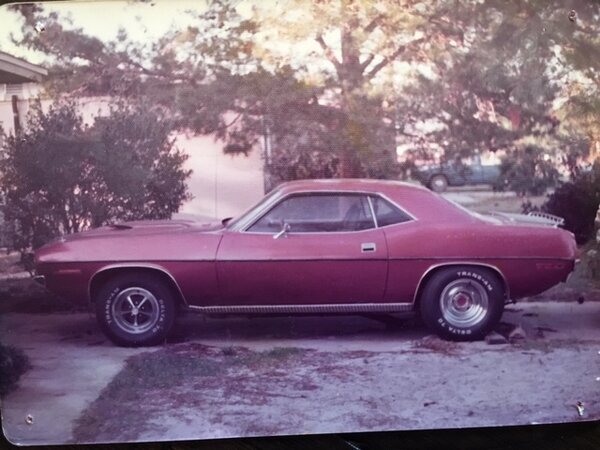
<point>144,227</point>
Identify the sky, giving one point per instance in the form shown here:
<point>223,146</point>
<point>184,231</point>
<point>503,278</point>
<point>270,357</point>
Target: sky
<point>103,18</point>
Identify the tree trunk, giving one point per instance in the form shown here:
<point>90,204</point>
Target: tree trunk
<point>349,167</point>
<point>350,75</point>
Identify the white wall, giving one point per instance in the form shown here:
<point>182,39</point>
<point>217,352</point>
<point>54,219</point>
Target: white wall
<point>223,185</point>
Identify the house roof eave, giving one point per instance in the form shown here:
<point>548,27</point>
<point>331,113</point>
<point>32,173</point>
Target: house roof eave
<point>16,70</point>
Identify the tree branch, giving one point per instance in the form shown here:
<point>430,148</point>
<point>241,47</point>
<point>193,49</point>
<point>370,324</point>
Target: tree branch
<point>227,125</point>
<point>366,62</point>
<point>447,28</point>
<point>373,24</point>
<point>155,73</point>
<point>406,133</point>
<point>389,59</point>
<point>329,53</point>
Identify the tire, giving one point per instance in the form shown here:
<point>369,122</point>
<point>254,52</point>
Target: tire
<point>135,309</point>
<point>462,303</point>
<point>438,183</point>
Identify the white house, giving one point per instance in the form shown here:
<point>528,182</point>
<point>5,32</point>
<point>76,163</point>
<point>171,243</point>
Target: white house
<point>18,84</point>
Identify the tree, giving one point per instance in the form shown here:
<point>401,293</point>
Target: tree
<point>528,172</point>
<point>60,176</point>
<point>343,50</point>
<point>81,64</point>
<point>577,202</point>
<point>342,104</point>
<point>346,81</point>
<point>579,72</point>
<point>504,90</point>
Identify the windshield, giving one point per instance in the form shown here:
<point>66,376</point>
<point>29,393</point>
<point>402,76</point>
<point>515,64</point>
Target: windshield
<point>233,224</point>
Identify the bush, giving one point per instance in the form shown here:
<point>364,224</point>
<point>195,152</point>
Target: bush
<point>591,255</point>
<point>577,202</point>
<point>526,171</point>
<point>13,364</point>
<point>592,261</point>
<point>61,176</point>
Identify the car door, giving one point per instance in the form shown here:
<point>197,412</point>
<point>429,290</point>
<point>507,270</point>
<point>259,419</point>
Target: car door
<point>490,174</point>
<point>309,248</point>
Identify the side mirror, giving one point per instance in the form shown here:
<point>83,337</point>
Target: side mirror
<point>284,229</point>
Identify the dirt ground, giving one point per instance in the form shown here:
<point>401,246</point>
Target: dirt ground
<point>331,374</point>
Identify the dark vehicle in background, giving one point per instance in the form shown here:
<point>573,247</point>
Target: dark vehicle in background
<point>439,177</point>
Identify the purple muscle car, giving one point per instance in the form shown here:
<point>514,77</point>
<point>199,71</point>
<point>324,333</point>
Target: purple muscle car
<point>313,247</point>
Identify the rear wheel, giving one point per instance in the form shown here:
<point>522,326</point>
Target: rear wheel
<point>462,303</point>
<point>135,310</point>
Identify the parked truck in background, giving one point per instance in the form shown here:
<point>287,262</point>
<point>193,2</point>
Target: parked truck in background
<point>438,177</point>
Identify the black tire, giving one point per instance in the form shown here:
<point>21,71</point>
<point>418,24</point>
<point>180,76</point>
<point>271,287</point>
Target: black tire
<point>462,303</point>
<point>438,183</point>
<point>135,309</point>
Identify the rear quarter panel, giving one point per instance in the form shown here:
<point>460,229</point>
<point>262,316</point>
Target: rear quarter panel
<point>530,259</point>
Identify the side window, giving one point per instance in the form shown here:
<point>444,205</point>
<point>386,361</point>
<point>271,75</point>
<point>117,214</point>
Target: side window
<point>387,213</point>
<point>317,213</point>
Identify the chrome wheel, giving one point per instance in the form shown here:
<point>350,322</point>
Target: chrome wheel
<point>135,310</point>
<point>464,303</point>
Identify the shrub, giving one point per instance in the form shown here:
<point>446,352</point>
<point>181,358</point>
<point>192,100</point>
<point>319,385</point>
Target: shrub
<point>577,202</point>
<point>62,176</point>
<point>526,171</point>
<point>13,364</point>
<point>592,254</point>
<point>592,261</point>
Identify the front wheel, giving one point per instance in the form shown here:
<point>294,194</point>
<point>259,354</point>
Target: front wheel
<point>135,310</point>
<point>462,303</point>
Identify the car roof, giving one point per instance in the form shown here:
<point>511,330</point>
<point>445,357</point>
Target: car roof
<point>415,199</point>
<point>347,184</point>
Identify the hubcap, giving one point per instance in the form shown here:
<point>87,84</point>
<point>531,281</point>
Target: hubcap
<point>135,310</point>
<point>464,303</point>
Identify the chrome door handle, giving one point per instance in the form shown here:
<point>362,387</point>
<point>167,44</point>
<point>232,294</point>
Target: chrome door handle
<point>367,247</point>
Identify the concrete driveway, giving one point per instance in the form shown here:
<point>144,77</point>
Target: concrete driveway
<point>394,377</point>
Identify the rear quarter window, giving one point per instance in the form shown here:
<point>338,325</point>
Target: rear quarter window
<point>388,213</point>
